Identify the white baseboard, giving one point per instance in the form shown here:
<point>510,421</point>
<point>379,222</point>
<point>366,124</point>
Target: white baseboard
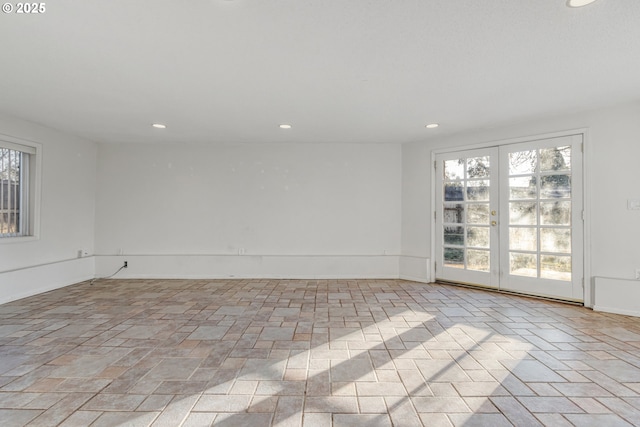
<point>620,296</point>
<point>249,266</point>
<point>29,281</point>
<point>414,268</point>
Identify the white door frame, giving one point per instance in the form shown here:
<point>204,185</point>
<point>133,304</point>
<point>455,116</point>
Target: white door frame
<point>586,201</point>
<point>488,278</point>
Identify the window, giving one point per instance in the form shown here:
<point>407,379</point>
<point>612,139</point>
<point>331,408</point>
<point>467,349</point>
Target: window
<point>17,165</point>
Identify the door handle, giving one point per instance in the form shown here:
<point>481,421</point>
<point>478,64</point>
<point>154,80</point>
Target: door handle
<point>494,223</point>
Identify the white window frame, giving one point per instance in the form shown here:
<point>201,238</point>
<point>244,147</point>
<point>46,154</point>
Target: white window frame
<point>30,202</point>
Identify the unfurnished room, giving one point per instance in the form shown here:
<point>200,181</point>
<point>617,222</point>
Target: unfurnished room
<point>320,213</point>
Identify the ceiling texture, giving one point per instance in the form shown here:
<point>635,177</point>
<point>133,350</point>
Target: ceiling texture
<point>359,71</point>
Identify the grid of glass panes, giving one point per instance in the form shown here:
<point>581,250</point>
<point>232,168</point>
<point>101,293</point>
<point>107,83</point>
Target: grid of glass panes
<point>540,213</point>
<point>466,218</point>
<point>10,192</point>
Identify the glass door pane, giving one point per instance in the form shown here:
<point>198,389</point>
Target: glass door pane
<point>541,224</point>
<point>534,183</point>
<point>510,217</point>
<point>466,185</point>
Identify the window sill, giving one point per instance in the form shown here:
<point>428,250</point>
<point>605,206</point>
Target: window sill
<point>21,239</point>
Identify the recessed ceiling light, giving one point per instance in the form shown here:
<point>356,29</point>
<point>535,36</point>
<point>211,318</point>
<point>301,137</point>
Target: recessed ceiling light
<point>579,3</point>
<point>159,126</point>
<point>432,125</point>
<point>285,126</point>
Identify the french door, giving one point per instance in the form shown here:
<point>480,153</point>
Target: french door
<point>510,217</point>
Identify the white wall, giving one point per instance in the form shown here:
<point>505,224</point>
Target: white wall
<point>316,210</point>
<point>310,210</point>
<point>66,215</point>
<point>617,296</point>
<point>613,176</point>
<point>416,196</point>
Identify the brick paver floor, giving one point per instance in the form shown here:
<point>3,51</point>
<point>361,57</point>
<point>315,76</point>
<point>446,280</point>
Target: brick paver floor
<point>312,353</point>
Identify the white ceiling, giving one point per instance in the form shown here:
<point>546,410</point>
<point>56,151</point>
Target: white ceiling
<point>220,71</point>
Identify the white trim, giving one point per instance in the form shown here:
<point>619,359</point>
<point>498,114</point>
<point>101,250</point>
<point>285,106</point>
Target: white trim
<point>18,239</point>
<point>29,149</point>
<point>25,282</point>
<point>508,141</point>
<point>619,296</point>
<point>44,264</point>
<point>414,279</point>
<point>432,216</point>
<point>248,255</point>
<point>586,201</point>
<point>414,268</point>
<point>463,275</point>
<point>150,266</point>
<point>589,285</point>
<point>35,151</point>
